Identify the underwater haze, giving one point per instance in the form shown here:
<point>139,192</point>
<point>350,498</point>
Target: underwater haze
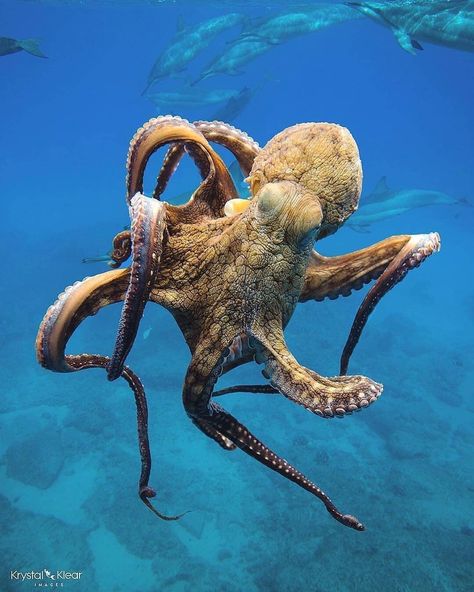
<point>69,462</point>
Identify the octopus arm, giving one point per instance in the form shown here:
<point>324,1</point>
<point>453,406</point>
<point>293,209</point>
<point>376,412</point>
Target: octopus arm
<point>331,277</point>
<point>324,396</point>
<point>415,250</point>
<point>216,189</point>
<point>387,261</point>
<point>75,304</point>
<point>212,419</point>
<point>147,231</point>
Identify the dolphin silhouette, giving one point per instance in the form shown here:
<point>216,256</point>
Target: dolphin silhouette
<point>449,23</point>
<point>287,25</point>
<point>384,203</point>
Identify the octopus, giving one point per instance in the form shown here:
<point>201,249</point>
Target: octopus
<point>231,272</point>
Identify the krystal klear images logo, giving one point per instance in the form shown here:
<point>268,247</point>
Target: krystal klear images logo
<point>46,578</point>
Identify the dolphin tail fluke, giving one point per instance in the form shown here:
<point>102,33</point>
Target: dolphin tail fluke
<point>180,25</point>
<point>32,46</point>
<point>465,202</point>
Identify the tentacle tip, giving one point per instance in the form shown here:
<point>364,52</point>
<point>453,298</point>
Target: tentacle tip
<point>352,522</point>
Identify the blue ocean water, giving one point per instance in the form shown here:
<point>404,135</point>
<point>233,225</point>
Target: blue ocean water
<point>68,454</point>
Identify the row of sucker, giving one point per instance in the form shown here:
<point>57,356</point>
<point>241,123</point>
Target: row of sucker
<point>326,397</point>
<point>418,248</point>
<point>148,224</point>
<point>358,284</point>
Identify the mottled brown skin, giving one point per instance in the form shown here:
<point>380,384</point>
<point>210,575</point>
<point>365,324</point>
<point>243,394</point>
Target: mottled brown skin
<point>232,283</point>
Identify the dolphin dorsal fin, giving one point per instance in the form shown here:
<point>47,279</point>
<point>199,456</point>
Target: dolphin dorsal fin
<point>381,186</point>
<point>379,193</point>
<point>180,24</point>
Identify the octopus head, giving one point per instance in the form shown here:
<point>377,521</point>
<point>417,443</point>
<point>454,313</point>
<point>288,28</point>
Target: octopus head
<point>323,160</point>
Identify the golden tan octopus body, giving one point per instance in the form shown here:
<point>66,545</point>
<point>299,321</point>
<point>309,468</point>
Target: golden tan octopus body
<point>232,271</point>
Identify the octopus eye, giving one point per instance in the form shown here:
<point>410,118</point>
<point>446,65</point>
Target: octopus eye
<point>271,197</point>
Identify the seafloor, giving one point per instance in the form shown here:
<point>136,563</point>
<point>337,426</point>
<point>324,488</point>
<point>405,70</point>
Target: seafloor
<point>69,461</point>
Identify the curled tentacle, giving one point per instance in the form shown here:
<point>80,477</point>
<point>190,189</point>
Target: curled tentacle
<point>148,227</point>
<point>77,302</point>
<point>121,248</point>
<point>209,199</point>
<point>201,377</point>
<point>326,397</point>
<point>413,253</point>
<point>242,146</point>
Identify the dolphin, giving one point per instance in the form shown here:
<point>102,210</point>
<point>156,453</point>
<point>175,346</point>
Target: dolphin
<point>287,25</point>
<point>449,23</point>
<point>273,31</point>
<point>188,43</point>
<point>237,55</point>
<point>9,45</point>
<point>192,97</point>
<point>384,203</point>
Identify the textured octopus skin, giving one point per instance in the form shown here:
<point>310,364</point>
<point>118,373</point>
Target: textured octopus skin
<point>233,282</point>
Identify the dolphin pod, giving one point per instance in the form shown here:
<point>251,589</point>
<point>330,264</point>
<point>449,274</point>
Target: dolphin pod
<point>384,203</point>
<point>444,22</point>
<point>449,23</point>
